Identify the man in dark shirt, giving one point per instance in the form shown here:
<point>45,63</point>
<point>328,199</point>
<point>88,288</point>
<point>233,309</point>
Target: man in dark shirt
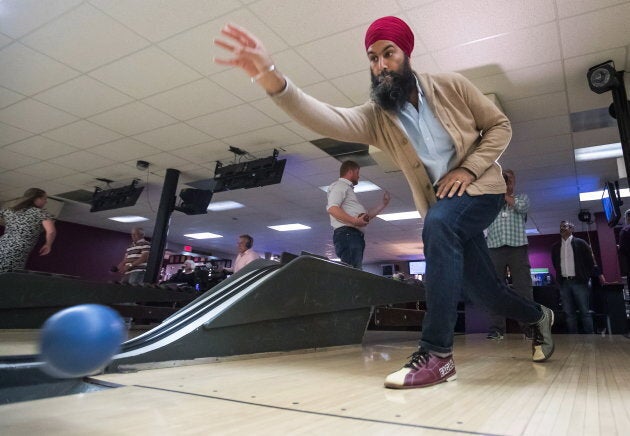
<point>573,260</point>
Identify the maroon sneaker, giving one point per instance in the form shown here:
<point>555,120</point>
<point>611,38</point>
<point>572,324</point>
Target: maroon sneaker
<point>424,369</point>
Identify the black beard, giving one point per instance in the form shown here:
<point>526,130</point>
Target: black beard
<point>391,90</point>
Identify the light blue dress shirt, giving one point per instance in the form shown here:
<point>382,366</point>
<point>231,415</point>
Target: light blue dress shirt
<point>431,141</point>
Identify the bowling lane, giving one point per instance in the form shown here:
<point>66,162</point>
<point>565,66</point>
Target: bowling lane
<point>137,410</point>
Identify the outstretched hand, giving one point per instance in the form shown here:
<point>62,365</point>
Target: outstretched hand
<point>248,51</point>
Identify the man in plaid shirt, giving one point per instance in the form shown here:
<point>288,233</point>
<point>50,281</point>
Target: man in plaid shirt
<point>507,242</point>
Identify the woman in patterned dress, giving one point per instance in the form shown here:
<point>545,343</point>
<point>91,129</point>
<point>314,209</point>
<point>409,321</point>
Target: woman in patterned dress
<point>24,223</point>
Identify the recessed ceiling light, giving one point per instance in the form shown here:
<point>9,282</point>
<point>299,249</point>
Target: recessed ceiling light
<point>598,152</point>
<point>129,219</point>
<point>362,186</point>
<point>399,216</point>
<point>289,227</point>
<point>597,195</point>
<point>224,205</point>
<point>203,235</point>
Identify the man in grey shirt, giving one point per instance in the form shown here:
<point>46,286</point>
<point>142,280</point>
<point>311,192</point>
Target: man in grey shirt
<point>348,216</point>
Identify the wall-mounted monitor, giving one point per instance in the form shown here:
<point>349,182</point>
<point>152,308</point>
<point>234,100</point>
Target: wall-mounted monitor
<point>611,202</point>
<point>417,267</point>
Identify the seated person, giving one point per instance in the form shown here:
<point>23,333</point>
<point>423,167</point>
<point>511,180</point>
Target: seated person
<point>185,275</point>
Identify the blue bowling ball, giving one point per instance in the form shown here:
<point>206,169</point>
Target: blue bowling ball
<point>80,340</point>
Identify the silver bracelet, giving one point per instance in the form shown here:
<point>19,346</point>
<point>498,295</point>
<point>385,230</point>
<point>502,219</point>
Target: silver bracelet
<point>269,69</point>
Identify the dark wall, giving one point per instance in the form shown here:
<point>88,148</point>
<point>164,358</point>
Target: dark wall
<point>84,251</point>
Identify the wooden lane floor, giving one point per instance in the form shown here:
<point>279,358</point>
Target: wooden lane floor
<point>583,390</point>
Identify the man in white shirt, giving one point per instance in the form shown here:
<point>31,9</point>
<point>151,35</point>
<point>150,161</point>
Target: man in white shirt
<point>245,253</point>
<point>348,216</point>
<point>573,261</point>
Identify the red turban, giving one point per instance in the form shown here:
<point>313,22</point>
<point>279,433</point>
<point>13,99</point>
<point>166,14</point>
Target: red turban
<point>390,29</point>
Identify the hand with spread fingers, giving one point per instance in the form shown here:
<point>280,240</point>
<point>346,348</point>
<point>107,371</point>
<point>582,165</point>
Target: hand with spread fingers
<point>250,55</point>
<point>454,182</point>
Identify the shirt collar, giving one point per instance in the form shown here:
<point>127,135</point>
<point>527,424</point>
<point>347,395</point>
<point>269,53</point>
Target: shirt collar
<point>346,181</point>
<point>568,240</point>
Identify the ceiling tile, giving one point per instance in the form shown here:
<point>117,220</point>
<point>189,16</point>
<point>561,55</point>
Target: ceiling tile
<point>82,134</point>
<point>158,20</point>
<point>8,97</point>
<point>540,106</point>
<point>10,160</point>
<point>102,39</point>
<point>264,140</point>
<point>269,108</point>
<point>33,116</point>
<point>194,99</point>
<point>45,170</point>
<point>517,50</point>
<point>19,17</point>
<point>302,69</point>
<point>552,126</point>
<point>133,118</point>
<point>173,137</point>
<point>83,97</point>
<point>145,73</point>
<point>523,83</point>
<point>40,147</point>
<point>567,8</point>
<point>123,149</point>
<point>166,160</point>
<point>325,17</point>
<point>204,153</point>
<point>195,48</point>
<point>357,86</point>
<point>337,55</point>
<point>15,179</point>
<point>595,31</point>
<point>589,138</point>
<point>28,72</point>
<point>326,92</point>
<point>231,121</point>
<point>9,134</point>
<point>82,161</point>
<point>439,28</point>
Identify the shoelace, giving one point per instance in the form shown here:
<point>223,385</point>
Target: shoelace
<point>418,358</point>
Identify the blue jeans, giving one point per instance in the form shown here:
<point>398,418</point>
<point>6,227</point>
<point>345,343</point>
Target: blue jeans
<point>458,264</point>
<point>574,296</point>
<point>349,245</point>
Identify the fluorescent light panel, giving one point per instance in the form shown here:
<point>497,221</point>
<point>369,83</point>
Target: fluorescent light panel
<point>597,152</point>
<point>224,205</point>
<point>129,219</point>
<point>362,186</point>
<point>399,216</point>
<point>203,235</point>
<point>532,231</point>
<point>597,195</point>
<point>289,227</point>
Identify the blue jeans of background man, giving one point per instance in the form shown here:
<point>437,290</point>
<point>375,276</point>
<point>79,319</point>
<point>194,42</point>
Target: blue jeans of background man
<point>458,264</point>
<point>574,295</point>
<point>349,245</point>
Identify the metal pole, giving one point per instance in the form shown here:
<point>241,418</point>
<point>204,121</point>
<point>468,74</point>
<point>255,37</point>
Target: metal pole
<point>622,112</point>
<point>160,231</point>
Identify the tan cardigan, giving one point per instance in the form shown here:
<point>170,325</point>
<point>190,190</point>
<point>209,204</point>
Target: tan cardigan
<point>479,130</point>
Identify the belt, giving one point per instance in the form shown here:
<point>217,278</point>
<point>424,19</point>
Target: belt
<point>569,277</point>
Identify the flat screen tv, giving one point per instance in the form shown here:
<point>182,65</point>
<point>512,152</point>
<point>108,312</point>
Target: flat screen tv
<point>611,202</point>
<point>417,267</point>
